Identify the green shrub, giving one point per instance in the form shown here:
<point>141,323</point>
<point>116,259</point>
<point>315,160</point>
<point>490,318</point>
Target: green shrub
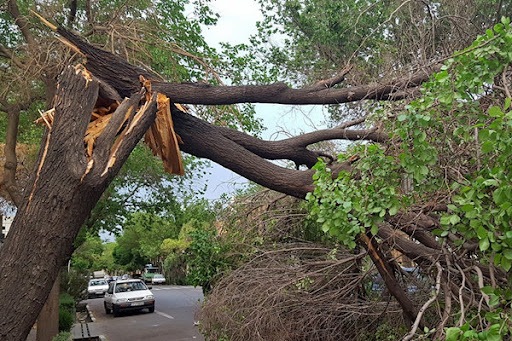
<point>66,320</point>
<point>67,302</point>
<point>66,312</point>
<point>74,283</point>
<point>62,336</point>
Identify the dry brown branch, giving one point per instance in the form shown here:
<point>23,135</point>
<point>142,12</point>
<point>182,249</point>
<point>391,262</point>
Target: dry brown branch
<point>295,292</point>
<point>480,275</point>
<point>424,307</point>
<point>331,82</point>
<point>461,298</point>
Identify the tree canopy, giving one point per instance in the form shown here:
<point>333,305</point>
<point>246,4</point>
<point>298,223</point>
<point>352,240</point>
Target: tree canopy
<point>426,112</point>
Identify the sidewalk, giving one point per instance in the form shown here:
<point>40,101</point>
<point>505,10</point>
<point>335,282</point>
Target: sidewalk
<point>83,329</point>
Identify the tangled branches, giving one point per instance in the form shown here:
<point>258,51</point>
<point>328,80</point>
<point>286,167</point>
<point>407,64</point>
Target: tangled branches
<point>297,292</point>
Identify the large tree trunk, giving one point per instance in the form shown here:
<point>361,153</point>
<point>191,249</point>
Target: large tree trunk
<point>63,190</point>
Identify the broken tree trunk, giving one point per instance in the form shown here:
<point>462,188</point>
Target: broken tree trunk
<point>65,186</point>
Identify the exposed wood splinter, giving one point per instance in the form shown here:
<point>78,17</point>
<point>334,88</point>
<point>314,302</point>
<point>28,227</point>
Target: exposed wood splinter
<point>160,137</point>
<point>88,169</point>
<point>44,21</point>
<point>113,153</point>
<point>94,130</point>
<point>46,118</point>
<point>40,166</point>
<point>163,140</point>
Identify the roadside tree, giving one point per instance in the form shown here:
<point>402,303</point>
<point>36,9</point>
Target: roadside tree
<point>362,197</point>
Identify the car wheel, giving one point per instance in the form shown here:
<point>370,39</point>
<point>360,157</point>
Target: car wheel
<point>151,309</point>
<point>107,310</point>
<point>115,311</point>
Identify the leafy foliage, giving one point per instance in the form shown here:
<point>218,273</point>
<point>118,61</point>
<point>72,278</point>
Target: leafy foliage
<point>479,206</point>
<point>205,257</point>
<point>453,144</point>
<point>74,282</point>
<point>86,256</point>
<point>66,312</point>
<point>348,205</point>
<point>160,239</point>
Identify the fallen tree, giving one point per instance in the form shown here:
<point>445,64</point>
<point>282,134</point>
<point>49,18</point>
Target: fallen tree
<point>66,184</point>
<point>70,176</point>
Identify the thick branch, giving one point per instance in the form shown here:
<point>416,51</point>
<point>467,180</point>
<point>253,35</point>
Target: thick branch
<point>417,226</point>
<point>295,148</point>
<point>331,82</point>
<point>195,93</point>
<point>5,52</point>
<point>124,78</point>
<point>415,251</point>
<point>205,140</point>
<point>388,276</point>
<point>11,160</point>
<point>21,22</point>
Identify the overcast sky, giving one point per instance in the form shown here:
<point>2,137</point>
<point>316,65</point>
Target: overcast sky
<point>236,23</point>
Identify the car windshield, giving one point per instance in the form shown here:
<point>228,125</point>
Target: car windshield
<point>130,286</point>
<point>98,282</point>
<point>151,270</point>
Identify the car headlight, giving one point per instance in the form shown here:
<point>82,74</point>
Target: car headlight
<point>149,297</point>
<point>119,300</point>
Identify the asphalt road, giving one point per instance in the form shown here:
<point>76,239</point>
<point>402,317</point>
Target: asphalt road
<point>173,319</point>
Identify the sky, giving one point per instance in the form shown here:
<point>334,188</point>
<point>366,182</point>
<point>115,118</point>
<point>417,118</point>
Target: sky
<point>236,23</point>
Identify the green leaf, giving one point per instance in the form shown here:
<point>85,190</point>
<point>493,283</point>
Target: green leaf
<point>507,103</point>
<point>393,210</point>
<point>495,111</point>
<point>454,219</point>
<point>491,182</point>
<point>488,290</point>
<point>374,230</point>
<point>401,117</point>
<point>481,232</point>
<point>507,253</point>
<point>484,244</point>
<point>499,196</point>
<point>452,334</point>
<point>506,264</point>
<point>488,146</point>
<point>445,220</point>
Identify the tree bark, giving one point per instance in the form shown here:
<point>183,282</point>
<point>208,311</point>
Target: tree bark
<point>123,77</point>
<point>64,189</point>
<point>387,273</point>
<point>11,160</point>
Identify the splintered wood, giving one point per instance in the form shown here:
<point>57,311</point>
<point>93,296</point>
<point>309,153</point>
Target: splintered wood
<point>99,120</point>
<point>160,137</point>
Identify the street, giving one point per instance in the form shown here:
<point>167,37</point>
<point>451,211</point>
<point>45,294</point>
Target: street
<point>173,319</point>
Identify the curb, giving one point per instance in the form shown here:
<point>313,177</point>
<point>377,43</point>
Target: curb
<point>91,315</point>
<point>93,319</point>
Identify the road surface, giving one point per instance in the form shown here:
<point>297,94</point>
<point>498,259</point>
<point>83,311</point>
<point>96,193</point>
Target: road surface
<point>173,319</point>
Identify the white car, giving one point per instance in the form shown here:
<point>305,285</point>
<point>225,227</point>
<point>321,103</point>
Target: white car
<point>97,287</point>
<point>158,279</point>
<point>129,294</point>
